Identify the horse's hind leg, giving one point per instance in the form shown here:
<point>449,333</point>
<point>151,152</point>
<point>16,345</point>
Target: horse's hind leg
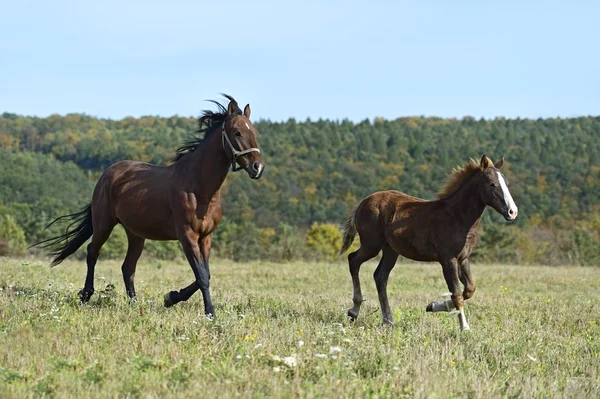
<point>134,251</point>
<point>381,275</point>
<point>102,229</point>
<point>355,260</point>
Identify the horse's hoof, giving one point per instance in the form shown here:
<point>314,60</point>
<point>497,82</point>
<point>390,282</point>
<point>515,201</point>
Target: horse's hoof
<point>388,322</point>
<point>352,315</point>
<point>168,300</point>
<point>84,295</point>
<point>133,299</point>
<point>429,307</point>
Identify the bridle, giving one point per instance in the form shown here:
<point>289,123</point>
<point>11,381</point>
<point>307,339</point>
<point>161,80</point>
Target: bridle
<point>234,152</point>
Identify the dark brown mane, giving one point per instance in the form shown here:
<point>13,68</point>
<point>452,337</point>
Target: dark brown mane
<point>457,177</point>
<point>208,123</point>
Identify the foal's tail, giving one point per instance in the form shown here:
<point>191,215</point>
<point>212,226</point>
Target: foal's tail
<point>66,244</point>
<point>349,231</point>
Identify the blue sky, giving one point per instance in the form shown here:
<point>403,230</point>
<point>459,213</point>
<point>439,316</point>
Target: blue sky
<point>329,59</point>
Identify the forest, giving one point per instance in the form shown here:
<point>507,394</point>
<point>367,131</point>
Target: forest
<point>316,172</point>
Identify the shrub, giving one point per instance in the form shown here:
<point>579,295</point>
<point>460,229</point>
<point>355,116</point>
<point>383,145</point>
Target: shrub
<point>12,238</point>
<point>325,239</point>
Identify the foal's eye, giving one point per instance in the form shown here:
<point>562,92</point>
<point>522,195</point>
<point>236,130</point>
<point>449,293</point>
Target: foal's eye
<point>238,134</point>
<point>492,185</point>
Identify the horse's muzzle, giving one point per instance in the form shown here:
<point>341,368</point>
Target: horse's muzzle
<point>255,170</point>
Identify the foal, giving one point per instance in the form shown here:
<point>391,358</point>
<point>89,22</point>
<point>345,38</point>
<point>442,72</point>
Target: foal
<point>444,230</point>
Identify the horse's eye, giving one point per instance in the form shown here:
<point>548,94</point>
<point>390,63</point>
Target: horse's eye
<point>492,185</point>
<point>238,134</point>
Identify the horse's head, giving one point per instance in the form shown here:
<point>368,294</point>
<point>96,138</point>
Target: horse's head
<point>495,189</point>
<point>239,141</point>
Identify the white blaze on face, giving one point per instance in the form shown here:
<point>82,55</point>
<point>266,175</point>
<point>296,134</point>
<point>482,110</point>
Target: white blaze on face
<point>510,203</point>
<point>247,125</point>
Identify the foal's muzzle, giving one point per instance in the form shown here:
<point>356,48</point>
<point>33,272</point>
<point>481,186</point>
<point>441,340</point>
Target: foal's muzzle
<point>510,214</point>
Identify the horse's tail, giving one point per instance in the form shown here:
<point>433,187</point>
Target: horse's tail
<point>66,244</point>
<point>349,231</point>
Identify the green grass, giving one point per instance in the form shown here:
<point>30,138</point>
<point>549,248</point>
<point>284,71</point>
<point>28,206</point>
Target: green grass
<point>281,331</point>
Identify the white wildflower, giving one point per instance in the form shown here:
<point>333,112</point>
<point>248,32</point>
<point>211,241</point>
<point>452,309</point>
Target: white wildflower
<point>290,361</point>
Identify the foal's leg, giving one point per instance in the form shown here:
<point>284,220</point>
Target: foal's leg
<point>134,251</point>
<point>355,260</point>
<point>451,273</point>
<point>189,241</point>
<point>466,278</point>
<point>103,226</point>
<point>387,263</point>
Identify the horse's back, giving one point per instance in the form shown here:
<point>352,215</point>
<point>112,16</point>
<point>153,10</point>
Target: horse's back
<point>388,201</point>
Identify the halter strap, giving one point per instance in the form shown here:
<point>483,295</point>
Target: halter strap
<point>235,153</point>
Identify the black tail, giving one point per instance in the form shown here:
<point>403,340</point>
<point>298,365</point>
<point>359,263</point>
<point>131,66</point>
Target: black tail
<point>66,244</point>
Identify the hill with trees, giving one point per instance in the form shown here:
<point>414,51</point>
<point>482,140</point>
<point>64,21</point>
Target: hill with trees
<point>317,171</point>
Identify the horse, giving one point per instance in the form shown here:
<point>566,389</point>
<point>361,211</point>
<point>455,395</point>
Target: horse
<point>181,201</point>
<point>444,230</point>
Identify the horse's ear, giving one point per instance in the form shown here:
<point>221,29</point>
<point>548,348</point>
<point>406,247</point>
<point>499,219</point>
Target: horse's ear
<point>500,163</point>
<point>233,108</point>
<point>247,111</point>
<point>485,163</point>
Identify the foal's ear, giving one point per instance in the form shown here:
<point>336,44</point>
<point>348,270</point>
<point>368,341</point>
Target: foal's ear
<point>247,111</point>
<point>500,163</point>
<point>233,108</point>
<point>485,163</point>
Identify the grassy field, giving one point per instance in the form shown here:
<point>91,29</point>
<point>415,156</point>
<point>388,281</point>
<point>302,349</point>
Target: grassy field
<point>281,331</point>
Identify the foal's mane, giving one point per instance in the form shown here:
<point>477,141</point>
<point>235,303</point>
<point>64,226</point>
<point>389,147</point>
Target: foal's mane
<point>457,177</point>
<point>208,123</point>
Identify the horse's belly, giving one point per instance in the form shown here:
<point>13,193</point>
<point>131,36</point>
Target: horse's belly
<point>147,219</point>
<point>411,247</point>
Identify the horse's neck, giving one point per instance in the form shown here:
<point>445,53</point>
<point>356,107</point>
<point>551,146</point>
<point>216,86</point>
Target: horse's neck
<point>466,205</point>
<point>206,168</point>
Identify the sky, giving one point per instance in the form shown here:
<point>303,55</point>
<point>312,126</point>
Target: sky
<point>302,59</point>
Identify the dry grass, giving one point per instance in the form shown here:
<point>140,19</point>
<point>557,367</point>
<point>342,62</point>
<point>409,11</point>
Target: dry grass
<point>281,331</point>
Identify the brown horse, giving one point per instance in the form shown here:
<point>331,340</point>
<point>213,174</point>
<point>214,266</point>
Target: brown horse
<point>442,231</point>
<point>181,201</point>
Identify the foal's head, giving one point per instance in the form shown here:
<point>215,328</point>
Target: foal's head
<point>494,190</point>
<point>242,147</point>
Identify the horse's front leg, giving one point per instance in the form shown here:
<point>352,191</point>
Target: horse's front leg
<point>451,275</point>
<point>191,248</point>
<point>466,278</point>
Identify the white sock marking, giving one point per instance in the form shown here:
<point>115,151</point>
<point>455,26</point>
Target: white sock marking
<point>463,321</point>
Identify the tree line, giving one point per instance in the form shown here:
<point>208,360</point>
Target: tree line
<point>317,171</point>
